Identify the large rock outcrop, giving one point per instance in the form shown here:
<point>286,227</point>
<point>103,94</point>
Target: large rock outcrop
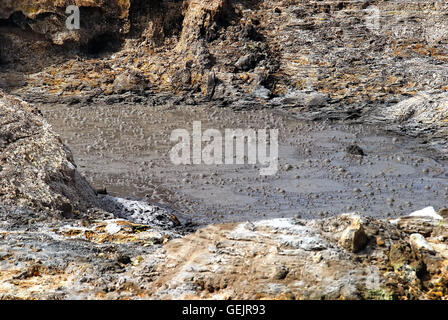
<point>48,18</point>
<point>354,52</point>
<point>36,169</point>
<point>32,9</point>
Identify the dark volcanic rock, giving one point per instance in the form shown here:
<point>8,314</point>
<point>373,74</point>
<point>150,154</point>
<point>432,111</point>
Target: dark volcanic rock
<point>355,150</point>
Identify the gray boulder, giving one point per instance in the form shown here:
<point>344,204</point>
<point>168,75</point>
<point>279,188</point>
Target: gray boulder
<point>36,168</point>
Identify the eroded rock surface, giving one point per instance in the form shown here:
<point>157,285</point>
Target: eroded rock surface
<point>297,259</point>
<point>321,59</point>
<point>317,59</point>
<point>36,169</point>
<point>425,113</point>
<point>274,259</point>
<point>48,18</point>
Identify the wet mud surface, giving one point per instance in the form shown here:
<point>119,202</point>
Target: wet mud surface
<point>125,149</point>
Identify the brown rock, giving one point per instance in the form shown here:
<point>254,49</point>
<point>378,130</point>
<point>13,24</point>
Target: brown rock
<point>354,238</point>
<point>130,80</point>
<point>400,254</point>
<point>48,17</point>
<point>443,212</point>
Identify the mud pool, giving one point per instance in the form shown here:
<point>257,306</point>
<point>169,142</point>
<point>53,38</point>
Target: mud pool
<point>125,149</point>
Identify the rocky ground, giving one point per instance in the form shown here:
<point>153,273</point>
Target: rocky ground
<point>320,59</point>
<point>375,62</point>
<point>111,248</point>
<point>343,257</point>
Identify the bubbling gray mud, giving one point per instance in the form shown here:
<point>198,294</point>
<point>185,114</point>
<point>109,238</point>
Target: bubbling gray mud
<point>125,148</point>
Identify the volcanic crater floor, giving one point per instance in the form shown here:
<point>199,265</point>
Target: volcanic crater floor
<point>125,149</point>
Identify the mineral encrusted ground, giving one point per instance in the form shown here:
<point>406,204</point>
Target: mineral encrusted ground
<point>275,259</point>
<point>314,60</point>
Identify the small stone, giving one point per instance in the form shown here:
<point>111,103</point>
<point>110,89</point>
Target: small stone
<point>418,242</point>
<point>262,93</point>
<point>85,222</point>
<point>112,228</point>
<point>137,260</point>
<point>355,150</point>
<point>399,254</point>
<point>246,62</point>
<point>443,212</point>
<point>317,258</point>
<point>280,273</point>
<point>354,238</point>
<point>379,242</point>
